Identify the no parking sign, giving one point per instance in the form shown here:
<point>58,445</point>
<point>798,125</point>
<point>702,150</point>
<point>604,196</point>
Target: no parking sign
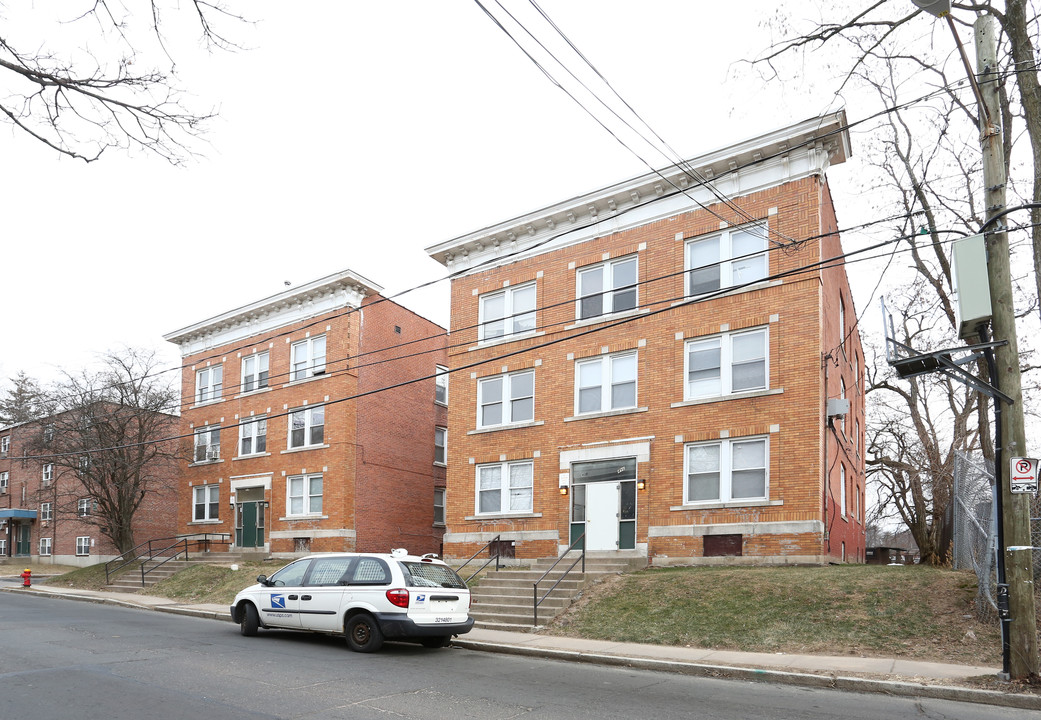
<point>1023,475</point>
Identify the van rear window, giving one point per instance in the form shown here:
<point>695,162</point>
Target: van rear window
<point>421,574</point>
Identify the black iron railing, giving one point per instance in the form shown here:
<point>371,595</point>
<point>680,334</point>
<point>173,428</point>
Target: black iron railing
<point>536,600</point>
<point>495,556</point>
<point>165,550</point>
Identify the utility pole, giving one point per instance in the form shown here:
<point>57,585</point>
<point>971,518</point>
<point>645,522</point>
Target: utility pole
<point>1023,657</point>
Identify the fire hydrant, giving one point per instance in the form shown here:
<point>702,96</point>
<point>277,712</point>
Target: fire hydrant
<point>27,578</point>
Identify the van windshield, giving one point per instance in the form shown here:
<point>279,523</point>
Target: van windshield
<point>421,574</point>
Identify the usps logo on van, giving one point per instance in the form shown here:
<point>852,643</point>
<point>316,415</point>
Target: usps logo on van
<point>420,599</point>
<point>278,602</point>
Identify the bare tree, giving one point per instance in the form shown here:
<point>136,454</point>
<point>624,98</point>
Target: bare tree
<point>108,441</point>
<point>92,75</point>
<point>916,428</point>
<point>888,35</point>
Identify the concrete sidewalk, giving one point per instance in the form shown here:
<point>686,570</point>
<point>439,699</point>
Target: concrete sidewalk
<point>892,676</point>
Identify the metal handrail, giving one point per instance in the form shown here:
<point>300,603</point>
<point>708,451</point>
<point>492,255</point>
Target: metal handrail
<point>136,554</point>
<point>495,557</point>
<point>536,600</point>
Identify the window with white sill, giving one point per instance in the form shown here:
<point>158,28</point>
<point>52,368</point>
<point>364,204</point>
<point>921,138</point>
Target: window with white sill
<point>510,311</point>
<point>47,474</point>
<point>605,383</point>
<point>307,358</point>
<point>207,443</point>
<point>206,503</point>
<point>5,479</point>
<point>607,288</point>
<point>506,399</point>
<point>505,487</point>
<point>727,364</point>
<point>307,427</point>
<point>726,471</point>
<point>45,546</point>
<point>441,385</point>
<point>254,372</point>
<point>46,513</point>
<point>253,435</point>
<point>304,495</point>
<point>440,445</point>
<point>83,545</point>
<point>732,257</point>
<point>439,506</point>
<point>209,383</point>
<point>83,507</point>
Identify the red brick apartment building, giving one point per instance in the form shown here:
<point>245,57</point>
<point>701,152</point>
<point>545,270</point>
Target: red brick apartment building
<point>307,430</point>
<point>47,515</point>
<point>664,366</point>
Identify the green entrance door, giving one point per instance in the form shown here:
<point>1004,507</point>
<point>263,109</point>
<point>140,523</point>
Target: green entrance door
<point>249,525</point>
<point>22,542</point>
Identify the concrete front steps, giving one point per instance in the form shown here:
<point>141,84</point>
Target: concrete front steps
<point>155,570</point>
<point>503,599</point>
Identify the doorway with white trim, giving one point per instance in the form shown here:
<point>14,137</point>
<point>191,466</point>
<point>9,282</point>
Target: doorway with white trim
<point>603,504</point>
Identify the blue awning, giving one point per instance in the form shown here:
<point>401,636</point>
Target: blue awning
<point>30,514</point>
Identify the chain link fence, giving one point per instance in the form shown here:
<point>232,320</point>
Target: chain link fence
<point>975,523</point>
<point>975,528</point>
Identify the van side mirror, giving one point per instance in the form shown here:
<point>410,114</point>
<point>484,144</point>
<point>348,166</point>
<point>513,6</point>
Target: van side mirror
<point>262,579</point>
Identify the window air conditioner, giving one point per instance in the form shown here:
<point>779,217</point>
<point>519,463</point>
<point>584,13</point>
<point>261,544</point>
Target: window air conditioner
<point>213,453</point>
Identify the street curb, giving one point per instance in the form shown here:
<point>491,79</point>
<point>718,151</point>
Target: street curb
<point>779,677</point>
<point>719,672</point>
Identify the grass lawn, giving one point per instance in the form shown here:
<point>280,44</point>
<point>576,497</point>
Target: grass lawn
<point>907,611</point>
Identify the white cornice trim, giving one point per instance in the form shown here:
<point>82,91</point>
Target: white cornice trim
<point>801,150</point>
<point>339,290</point>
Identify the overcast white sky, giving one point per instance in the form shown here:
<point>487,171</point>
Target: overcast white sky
<point>353,135</point>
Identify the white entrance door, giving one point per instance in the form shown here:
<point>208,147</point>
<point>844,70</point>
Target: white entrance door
<point>602,516</point>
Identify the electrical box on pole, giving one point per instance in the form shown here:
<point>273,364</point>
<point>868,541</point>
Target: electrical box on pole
<point>971,284</point>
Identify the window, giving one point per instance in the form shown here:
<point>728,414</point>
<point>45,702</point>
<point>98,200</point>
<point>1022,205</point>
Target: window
<point>45,546</point>
<point>83,545</point>
<point>5,479</point>
<point>607,288</point>
<point>842,394</point>
<point>46,513</point>
<point>48,433</point>
<point>83,507</point>
<point>308,358</point>
<point>208,384</point>
<point>253,436</point>
<point>605,383</point>
<point>727,470</point>
<point>727,364</point>
<point>207,443</point>
<point>206,502</point>
<point>735,256</point>
<point>507,312</point>
<point>307,427</point>
<point>304,495</point>
<point>842,490</point>
<point>439,506</point>
<point>84,463</point>
<point>47,475</point>
<point>856,437</point>
<point>506,399</point>
<point>5,444</point>
<point>504,487</point>
<point>441,385</point>
<point>440,445</point>
<point>254,372</point>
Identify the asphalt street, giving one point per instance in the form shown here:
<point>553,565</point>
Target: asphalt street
<point>73,660</point>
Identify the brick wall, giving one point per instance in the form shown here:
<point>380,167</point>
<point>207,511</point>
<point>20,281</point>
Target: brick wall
<point>790,415</point>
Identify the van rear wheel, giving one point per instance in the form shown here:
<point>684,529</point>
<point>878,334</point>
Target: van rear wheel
<point>364,634</point>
